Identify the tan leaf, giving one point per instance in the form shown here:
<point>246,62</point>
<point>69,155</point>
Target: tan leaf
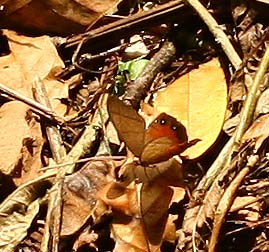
<point>258,131</point>
<point>139,214</point>
<point>79,197</point>
<point>247,210</point>
<point>30,163</point>
<point>32,58</point>
<point>71,16</point>
<point>198,100</point>
<point>13,131</point>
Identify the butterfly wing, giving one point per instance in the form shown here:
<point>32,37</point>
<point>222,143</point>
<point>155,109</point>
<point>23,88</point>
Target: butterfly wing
<point>157,150</point>
<point>128,123</point>
<point>162,149</point>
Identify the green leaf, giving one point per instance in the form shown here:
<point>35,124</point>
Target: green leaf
<point>133,67</point>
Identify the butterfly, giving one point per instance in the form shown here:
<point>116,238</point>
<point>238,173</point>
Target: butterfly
<point>164,137</point>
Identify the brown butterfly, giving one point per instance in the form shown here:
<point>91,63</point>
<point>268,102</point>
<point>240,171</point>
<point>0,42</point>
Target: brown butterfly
<point>164,138</point>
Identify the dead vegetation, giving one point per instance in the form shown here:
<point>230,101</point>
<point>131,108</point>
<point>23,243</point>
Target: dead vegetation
<point>134,126</point>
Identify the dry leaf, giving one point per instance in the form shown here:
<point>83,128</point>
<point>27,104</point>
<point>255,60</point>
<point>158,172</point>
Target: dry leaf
<point>14,227</point>
<point>71,16</point>
<point>18,145</point>
<point>258,131</point>
<point>140,217</point>
<point>32,58</point>
<point>247,210</point>
<point>79,198</point>
<point>168,173</point>
<point>198,99</point>
<point>144,229</point>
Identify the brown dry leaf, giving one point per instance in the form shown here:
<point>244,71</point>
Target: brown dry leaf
<point>32,58</point>
<point>20,142</point>
<point>129,236</point>
<point>155,211</point>
<point>247,210</point>
<point>258,131</point>
<point>119,197</point>
<point>168,173</point>
<point>143,231</point>
<point>79,198</point>
<point>197,99</point>
<point>30,163</point>
<point>140,217</point>
<point>170,228</point>
<point>71,16</point>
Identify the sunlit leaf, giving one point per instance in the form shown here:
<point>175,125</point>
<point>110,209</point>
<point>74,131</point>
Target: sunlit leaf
<point>198,100</point>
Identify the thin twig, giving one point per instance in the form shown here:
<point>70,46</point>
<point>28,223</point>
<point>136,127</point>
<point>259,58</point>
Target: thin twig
<point>54,214</point>
<point>224,156</point>
<point>83,160</point>
<point>35,106</point>
<point>217,31</point>
<point>246,116</point>
<point>138,21</point>
<point>226,202</point>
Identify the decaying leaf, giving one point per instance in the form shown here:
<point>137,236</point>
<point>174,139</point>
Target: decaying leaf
<point>21,143</point>
<point>258,131</point>
<point>14,130</point>
<point>140,217</point>
<point>80,200</point>
<point>198,100</point>
<point>169,173</point>
<point>32,58</point>
<point>71,16</point>
<point>15,226</point>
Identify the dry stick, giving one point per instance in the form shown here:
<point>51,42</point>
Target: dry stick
<point>227,201</point>
<point>246,116</point>
<point>137,90</point>
<point>218,33</point>
<point>135,22</point>
<point>35,106</point>
<point>54,214</point>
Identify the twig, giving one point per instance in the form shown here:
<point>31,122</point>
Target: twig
<point>226,202</point>
<point>245,120</point>
<point>217,31</point>
<point>132,23</point>
<point>54,214</point>
<point>53,134</point>
<point>254,93</point>
<point>35,106</point>
<point>83,160</point>
<point>137,90</point>
<point>224,156</point>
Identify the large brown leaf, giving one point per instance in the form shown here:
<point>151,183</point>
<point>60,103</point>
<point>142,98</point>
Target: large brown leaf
<point>30,58</point>
<point>71,16</point>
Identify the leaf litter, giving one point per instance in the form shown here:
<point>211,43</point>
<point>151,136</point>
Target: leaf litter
<point>209,76</point>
